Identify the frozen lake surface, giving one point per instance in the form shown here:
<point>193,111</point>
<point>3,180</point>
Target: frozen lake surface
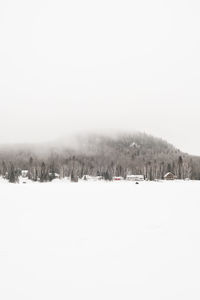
<point>100,241</point>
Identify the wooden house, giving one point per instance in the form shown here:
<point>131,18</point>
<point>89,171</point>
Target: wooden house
<point>170,176</point>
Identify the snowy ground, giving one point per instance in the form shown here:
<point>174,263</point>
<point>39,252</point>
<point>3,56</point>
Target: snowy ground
<point>100,241</point>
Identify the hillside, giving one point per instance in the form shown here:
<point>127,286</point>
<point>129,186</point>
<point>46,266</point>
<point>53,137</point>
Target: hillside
<point>105,155</point>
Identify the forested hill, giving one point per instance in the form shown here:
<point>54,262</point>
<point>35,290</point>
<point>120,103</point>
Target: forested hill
<point>104,155</point>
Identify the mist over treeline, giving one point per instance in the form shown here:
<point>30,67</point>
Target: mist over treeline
<point>98,155</point>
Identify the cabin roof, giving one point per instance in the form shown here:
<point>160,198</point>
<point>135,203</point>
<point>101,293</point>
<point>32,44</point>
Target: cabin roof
<point>134,176</point>
<point>169,173</point>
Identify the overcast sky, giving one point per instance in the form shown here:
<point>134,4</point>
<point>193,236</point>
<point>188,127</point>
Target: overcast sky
<point>95,65</point>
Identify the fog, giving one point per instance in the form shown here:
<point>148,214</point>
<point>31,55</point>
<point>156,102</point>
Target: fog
<point>76,66</point>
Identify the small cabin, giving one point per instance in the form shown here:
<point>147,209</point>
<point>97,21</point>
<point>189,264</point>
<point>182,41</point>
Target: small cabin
<point>170,176</point>
<point>135,177</point>
<point>24,173</point>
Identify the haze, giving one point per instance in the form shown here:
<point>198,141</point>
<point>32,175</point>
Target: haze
<point>68,66</point>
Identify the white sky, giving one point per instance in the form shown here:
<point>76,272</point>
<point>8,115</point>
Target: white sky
<point>76,65</point>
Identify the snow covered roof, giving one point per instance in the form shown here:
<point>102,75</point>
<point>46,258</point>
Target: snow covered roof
<point>169,173</point>
<point>24,172</point>
<point>135,176</point>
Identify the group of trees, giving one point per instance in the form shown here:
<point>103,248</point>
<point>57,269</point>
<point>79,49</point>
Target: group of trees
<point>100,156</point>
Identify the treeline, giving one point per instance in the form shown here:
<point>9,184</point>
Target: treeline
<point>98,155</point>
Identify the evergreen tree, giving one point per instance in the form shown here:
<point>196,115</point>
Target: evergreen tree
<point>12,174</point>
<point>180,165</point>
<point>43,176</point>
<point>4,169</point>
<point>30,169</point>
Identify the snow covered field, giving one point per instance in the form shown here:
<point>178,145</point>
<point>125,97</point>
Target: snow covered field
<point>100,241</point>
